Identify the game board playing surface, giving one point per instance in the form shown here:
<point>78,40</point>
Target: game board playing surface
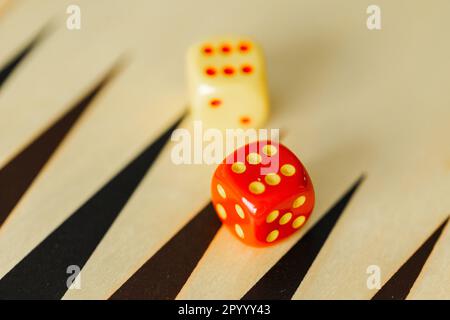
<point>87,180</point>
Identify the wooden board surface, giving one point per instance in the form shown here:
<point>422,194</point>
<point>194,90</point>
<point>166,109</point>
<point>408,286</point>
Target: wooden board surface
<point>349,101</point>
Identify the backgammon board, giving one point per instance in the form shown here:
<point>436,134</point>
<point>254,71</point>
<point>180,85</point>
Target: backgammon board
<point>87,182</point>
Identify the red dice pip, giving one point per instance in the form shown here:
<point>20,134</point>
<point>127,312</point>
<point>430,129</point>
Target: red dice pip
<point>262,193</point>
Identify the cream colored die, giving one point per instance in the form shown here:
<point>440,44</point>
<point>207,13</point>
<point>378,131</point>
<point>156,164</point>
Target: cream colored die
<point>227,83</point>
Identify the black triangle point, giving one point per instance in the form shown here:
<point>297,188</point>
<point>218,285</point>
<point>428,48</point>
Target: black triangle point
<point>283,279</point>
<point>400,284</point>
<point>42,274</point>
<point>165,273</point>
<point>9,68</point>
<point>18,174</point>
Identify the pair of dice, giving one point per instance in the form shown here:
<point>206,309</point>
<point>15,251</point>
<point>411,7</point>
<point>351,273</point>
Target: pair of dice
<point>262,191</point>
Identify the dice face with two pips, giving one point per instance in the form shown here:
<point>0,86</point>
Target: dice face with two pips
<point>262,193</point>
<point>227,83</point>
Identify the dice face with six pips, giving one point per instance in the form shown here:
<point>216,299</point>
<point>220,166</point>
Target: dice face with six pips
<point>262,193</point>
<point>227,83</point>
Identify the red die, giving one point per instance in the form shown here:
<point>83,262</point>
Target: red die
<point>262,193</point>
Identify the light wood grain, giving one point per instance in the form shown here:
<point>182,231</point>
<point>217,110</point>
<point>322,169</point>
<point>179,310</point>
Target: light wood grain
<point>405,150</point>
<point>142,102</point>
<point>403,199</point>
<point>57,73</point>
<point>166,199</point>
<point>348,100</point>
<point>118,125</point>
<point>20,21</point>
<point>3,5</point>
<point>111,256</point>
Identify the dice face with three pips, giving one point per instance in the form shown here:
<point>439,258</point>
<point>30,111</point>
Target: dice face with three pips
<point>227,83</point>
<point>262,193</point>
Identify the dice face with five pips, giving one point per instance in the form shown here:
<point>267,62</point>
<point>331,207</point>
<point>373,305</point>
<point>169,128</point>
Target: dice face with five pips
<point>262,193</point>
<point>227,83</point>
